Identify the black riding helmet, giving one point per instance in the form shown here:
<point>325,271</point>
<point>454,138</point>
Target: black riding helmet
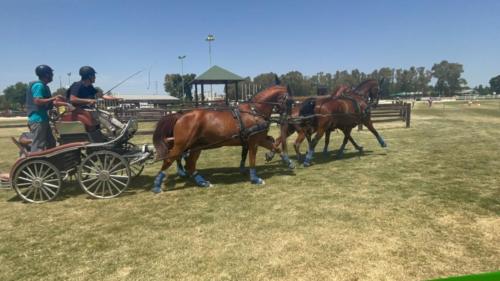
<point>87,72</point>
<point>43,70</point>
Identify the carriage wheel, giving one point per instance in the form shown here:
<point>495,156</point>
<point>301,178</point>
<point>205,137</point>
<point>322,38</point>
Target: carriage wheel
<point>137,168</point>
<point>37,181</point>
<point>104,174</point>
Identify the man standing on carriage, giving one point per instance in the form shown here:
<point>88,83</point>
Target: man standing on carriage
<point>83,96</point>
<point>38,102</point>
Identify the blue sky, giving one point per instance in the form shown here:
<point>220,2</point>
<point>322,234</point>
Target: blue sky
<point>252,37</point>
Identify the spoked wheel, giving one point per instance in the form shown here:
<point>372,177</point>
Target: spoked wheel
<point>104,174</point>
<point>37,181</point>
<point>137,168</point>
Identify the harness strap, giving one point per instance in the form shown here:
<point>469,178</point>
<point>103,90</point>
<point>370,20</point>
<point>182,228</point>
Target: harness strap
<point>237,115</point>
<point>355,103</point>
<point>245,133</point>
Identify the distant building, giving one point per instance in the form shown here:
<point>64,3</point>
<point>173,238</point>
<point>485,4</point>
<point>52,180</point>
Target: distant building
<point>142,101</point>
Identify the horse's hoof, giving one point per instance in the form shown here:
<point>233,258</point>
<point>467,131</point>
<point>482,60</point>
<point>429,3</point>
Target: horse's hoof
<point>325,153</point>
<point>307,164</point>
<point>156,190</point>
<point>291,166</point>
<point>243,171</point>
<point>257,181</point>
<point>200,181</point>
<point>360,149</point>
<point>182,173</point>
<point>383,144</point>
<point>204,184</point>
<point>340,155</point>
<point>269,156</point>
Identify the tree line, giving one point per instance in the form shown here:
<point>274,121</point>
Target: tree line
<point>447,76</point>
<point>14,96</point>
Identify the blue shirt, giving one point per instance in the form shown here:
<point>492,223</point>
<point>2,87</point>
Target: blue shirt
<point>39,91</point>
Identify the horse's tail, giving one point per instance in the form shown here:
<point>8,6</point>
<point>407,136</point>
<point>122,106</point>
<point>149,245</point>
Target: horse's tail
<point>164,129</point>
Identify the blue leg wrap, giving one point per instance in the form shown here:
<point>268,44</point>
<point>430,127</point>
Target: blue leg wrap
<point>158,182</point>
<point>200,180</point>
<point>253,177</point>
<point>287,161</point>
<point>309,157</point>
<point>381,141</point>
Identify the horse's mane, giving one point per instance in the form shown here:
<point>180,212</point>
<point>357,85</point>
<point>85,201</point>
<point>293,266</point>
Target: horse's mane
<point>360,86</point>
<point>259,94</point>
<point>339,90</point>
<point>307,107</point>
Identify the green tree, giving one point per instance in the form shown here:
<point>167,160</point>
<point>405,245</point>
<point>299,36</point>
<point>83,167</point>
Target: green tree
<point>59,92</point>
<point>481,90</point>
<point>387,74</point>
<point>448,77</point>
<point>188,88</point>
<point>495,84</point>
<point>423,80</point>
<point>231,89</point>
<point>15,95</point>
<point>173,85</point>
<point>298,84</point>
<point>4,104</point>
<point>265,79</point>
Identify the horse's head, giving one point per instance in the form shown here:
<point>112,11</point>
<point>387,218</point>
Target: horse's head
<point>277,98</point>
<point>369,90</point>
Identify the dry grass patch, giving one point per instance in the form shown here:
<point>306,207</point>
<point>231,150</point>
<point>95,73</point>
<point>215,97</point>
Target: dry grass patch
<point>425,207</point>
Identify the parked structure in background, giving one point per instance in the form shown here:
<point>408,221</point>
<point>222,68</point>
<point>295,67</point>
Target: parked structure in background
<point>140,101</point>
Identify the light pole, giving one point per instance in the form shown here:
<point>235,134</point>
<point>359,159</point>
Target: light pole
<point>69,79</point>
<point>209,39</point>
<point>182,72</point>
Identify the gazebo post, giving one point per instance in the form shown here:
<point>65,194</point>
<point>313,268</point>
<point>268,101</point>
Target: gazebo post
<point>202,93</point>
<point>225,91</point>
<point>237,94</point>
<point>196,94</point>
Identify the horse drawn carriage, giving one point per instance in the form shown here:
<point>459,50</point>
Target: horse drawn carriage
<point>103,169</point>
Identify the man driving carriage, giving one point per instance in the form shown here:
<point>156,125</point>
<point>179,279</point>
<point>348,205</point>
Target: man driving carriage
<point>83,96</point>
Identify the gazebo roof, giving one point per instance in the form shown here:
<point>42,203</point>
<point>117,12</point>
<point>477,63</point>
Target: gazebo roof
<point>217,75</point>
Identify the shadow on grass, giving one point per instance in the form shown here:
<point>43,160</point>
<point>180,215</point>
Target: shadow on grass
<point>222,176</point>
<point>320,158</point>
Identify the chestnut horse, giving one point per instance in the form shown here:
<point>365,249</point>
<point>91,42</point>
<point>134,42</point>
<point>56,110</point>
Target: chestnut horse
<point>165,130</point>
<point>345,112</point>
<point>304,122</point>
<point>246,125</point>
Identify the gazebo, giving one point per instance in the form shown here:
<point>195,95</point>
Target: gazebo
<point>215,75</point>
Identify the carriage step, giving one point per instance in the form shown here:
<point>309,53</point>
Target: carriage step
<point>5,184</point>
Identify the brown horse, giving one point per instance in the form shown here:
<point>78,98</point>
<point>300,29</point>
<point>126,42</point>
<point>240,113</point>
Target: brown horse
<point>345,112</point>
<point>304,122</point>
<point>165,130</point>
<point>247,125</point>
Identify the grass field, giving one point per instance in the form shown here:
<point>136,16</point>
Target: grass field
<point>427,206</point>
